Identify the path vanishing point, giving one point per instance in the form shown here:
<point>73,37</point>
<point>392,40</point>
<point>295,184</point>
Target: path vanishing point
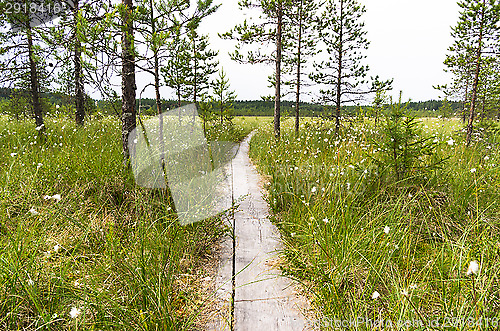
<point>263,299</point>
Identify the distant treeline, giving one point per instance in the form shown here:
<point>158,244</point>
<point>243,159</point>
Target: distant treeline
<point>266,108</point>
<point>55,98</point>
<point>246,108</point>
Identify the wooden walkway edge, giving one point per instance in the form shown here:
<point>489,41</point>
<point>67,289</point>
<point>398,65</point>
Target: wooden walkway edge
<point>263,299</point>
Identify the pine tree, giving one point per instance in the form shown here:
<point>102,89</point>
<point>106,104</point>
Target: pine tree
<point>378,104</point>
<point>459,63</point>
<point>167,28</point>
<point>177,68</point>
<point>403,148</point>
<point>300,46</point>
<point>128,76</point>
<point>476,39</point>
<point>203,64</point>
<point>268,31</point>
<point>343,74</point>
<point>72,36</point>
<point>157,20</point>
<point>23,61</point>
<point>223,97</point>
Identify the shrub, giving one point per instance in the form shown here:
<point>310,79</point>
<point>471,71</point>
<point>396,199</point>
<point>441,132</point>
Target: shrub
<point>403,148</point>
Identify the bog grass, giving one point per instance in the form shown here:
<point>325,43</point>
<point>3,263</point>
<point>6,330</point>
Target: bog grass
<point>374,253</point>
<point>82,247</point>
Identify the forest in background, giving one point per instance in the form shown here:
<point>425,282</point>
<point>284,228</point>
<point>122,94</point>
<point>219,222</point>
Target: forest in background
<point>430,108</point>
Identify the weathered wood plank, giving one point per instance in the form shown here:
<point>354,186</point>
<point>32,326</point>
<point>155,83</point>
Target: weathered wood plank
<point>264,300</point>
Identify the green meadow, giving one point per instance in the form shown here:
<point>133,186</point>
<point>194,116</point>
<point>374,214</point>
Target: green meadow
<point>418,253</point>
<point>79,237</point>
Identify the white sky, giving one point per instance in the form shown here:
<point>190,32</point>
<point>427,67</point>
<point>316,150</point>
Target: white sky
<point>409,41</point>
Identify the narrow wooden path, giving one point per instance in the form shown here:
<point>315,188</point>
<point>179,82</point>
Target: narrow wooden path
<point>263,299</point>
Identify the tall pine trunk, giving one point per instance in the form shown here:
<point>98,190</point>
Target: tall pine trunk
<point>195,74</point>
<point>128,79</point>
<point>464,108</point>
<point>339,70</point>
<point>470,125</point>
<point>79,88</point>
<point>299,64</point>
<point>157,89</point>
<point>35,88</point>
<point>277,99</point>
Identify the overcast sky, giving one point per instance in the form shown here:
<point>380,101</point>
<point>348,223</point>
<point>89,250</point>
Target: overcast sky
<point>409,40</point>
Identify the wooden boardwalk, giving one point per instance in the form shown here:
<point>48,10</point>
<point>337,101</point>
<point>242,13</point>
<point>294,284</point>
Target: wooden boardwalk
<point>263,299</point>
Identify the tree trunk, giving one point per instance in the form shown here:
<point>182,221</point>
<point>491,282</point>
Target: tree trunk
<point>299,64</point>
<point>128,80</point>
<point>277,100</point>
<point>79,88</point>
<point>35,89</point>
<point>464,108</point>
<point>195,80</point>
<point>470,125</point>
<point>157,89</point>
<point>195,88</point>
<point>339,78</point>
<point>221,107</point>
<point>157,84</point>
<point>483,107</point>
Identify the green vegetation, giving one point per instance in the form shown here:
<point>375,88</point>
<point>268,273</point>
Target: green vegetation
<point>369,246</point>
<point>393,216</point>
<point>78,237</point>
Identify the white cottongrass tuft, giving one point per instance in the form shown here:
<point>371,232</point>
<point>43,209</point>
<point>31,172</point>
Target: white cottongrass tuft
<point>74,312</point>
<point>313,189</point>
<point>13,154</point>
<point>473,170</point>
<point>33,211</point>
<point>451,142</point>
<point>57,248</point>
<point>56,197</point>
<point>375,295</point>
<point>387,229</point>
<point>473,268</point>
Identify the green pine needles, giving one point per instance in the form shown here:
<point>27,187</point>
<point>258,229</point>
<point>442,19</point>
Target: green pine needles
<point>403,150</point>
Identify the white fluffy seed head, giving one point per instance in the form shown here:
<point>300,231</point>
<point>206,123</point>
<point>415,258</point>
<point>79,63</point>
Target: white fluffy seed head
<point>74,312</point>
<point>473,268</point>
